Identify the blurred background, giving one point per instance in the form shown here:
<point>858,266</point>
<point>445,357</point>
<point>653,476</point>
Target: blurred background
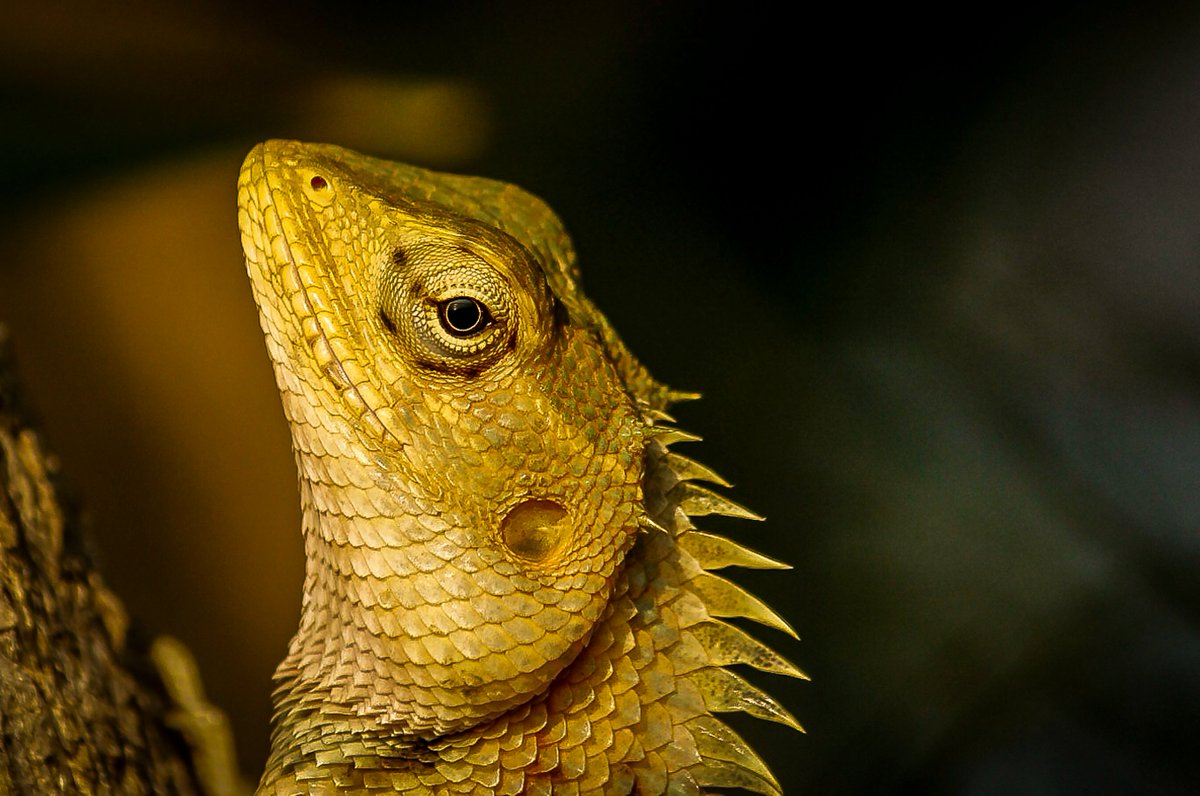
<point>936,273</point>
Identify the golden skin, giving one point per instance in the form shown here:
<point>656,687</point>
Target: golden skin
<point>503,591</point>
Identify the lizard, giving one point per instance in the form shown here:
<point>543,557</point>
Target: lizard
<point>504,589</point>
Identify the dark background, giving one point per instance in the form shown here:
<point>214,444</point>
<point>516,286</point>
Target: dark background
<point>935,271</point>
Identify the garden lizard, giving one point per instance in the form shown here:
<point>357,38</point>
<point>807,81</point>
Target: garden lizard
<point>504,590</point>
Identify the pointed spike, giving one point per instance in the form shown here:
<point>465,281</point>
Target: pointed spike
<point>725,692</point>
<point>686,469</point>
<point>648,523</point>
<point>716,552</point>
<point>658,415</point>
<point>679,396</point>
<point>698,501</point>
<point>669,435</point>
<point>718,744</point>
<point>724,598</point>
<point>727,645</point>
<point>718,774</point>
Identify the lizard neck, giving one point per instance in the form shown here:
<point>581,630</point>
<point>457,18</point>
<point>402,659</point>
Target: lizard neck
<point>650,674</point>
<point>415,625</point>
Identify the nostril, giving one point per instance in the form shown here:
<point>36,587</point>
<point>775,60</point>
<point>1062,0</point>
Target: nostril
<point>534,529</point>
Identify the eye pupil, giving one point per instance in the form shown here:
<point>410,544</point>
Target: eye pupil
<point>463,316</point>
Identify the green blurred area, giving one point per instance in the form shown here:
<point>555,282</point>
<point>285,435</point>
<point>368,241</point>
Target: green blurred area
<point>937,277</point>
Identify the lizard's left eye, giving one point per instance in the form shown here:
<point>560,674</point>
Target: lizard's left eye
<point>463,316</point>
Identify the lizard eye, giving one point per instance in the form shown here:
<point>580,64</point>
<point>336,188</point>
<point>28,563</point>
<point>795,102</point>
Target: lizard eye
<point>447,307</point>
<point>463,316</point>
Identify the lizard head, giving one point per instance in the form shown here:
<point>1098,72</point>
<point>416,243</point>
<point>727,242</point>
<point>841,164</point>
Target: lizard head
<point>500,559</point>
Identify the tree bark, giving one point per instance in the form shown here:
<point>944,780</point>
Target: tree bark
<point>81,710</point>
